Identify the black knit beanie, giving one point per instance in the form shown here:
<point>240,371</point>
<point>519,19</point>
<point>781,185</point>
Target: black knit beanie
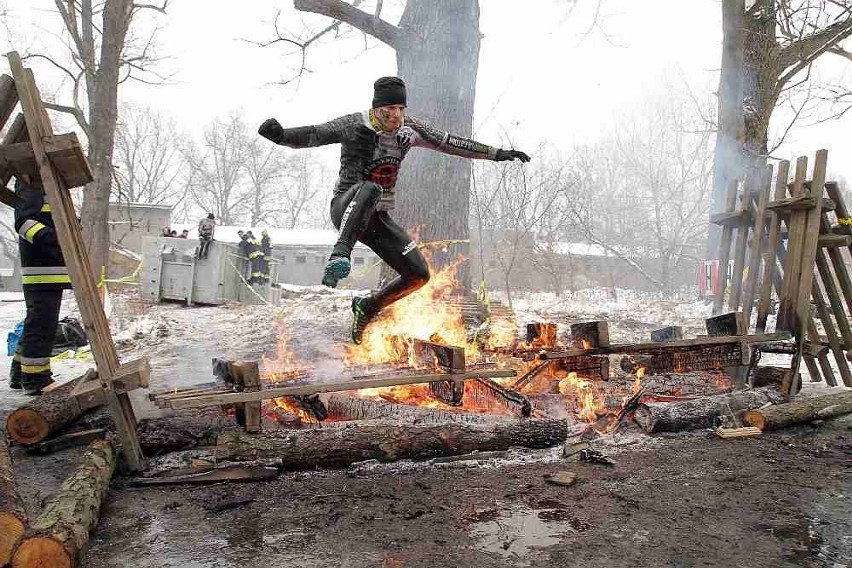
<point>388,91</point>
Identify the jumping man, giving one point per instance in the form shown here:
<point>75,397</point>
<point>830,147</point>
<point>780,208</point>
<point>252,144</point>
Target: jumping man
<point>373,144</point>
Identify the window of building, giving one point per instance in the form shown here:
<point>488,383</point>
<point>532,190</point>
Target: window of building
<point>359,261</point>
<point>301,259</point>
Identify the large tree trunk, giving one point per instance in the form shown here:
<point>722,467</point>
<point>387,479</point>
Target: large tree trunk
<point>343,445</point>
<point>701,412</point>
<point>13,515</point>
<point>439,60</point>
<point>800,411</point>
<point>727,161</point>
<point>102,86</point>
<point>61,532</point>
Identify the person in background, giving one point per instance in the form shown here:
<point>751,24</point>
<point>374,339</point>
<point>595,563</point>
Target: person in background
<point>173,234</point>
<point>373,144</point>
<point>166,232</point>
<point>184,234</point>
<point>44,277</point>
<point>206,228</point>
<point>266,249</point>
<point>255,256</point>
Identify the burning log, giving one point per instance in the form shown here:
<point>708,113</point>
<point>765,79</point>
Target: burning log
<point>540,334</point>
<point>342,444</point>
<point>13,515</point>
<point>486,390</point>
<point>342,407</point>
<point>60,533</point>
<point>172,433</point>
<point>686,384</point>
<point>701,412</point>
<point>800,411</point>
<point>46,415</point>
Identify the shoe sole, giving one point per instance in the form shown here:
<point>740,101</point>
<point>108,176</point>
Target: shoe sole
<point>335,271</point>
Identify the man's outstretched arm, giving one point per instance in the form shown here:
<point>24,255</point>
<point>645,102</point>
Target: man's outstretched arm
<point>428,136</point>
<point>304,136</point>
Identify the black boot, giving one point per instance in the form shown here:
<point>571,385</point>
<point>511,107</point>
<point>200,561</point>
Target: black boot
<point>36,382</point>
<point>15,375</point>
<point>363,312</point>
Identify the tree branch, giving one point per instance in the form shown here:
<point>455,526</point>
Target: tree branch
<point>367,23</point>
<point>799,54</point>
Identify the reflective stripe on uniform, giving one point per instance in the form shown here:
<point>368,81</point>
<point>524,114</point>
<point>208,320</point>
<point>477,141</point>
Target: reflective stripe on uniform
<point>51,279</point>
<point>29,228</point>
<point>35,361</point>
<point>255,254</point>
<point>46,208</point>
<point>33,369</point>
<point>39,270</point>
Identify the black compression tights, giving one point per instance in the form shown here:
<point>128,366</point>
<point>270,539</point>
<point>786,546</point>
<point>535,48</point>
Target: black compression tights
<point>356,210</point>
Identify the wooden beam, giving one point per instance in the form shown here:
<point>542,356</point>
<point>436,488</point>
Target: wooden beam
<point>66,155</point>
<point>725,248</point>
<point>447,357</point>
<point>770,266</point>
<point>752,182</point>
<point>367,383</point>
<point>732,219</point>
<point>754,252</point>
<point>77,261</point>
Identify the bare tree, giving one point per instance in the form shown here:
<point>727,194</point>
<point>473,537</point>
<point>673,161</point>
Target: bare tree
<point>98,53</point>
<point>770,47</point>
<point>148,164</point>
<point>305,180</point>
<point>216,169</point>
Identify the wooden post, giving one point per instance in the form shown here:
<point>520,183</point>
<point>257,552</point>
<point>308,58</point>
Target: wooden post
<point>541,334</point>
<point>251,382</point>
<point>590,335</point>
<point>751,182</point>
<point>754,253</point>
<point>725,249</point>
<point>796,227</point>
<point>671,333</point>
<point>733,323</point>
<point>77,261</point>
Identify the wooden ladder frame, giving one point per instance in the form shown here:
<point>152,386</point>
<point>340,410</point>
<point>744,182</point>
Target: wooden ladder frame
<point>31,149</point>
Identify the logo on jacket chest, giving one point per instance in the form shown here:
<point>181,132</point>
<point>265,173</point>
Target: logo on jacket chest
<point>384,171</point>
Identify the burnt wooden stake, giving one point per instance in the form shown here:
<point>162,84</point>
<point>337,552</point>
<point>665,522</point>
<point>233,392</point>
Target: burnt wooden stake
<point>590,335</point>
<point>732,323</point>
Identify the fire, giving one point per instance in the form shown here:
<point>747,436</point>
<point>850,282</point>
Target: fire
<point>423,315</point>
<point>501,333</point>
<point>588,406</point>
<point>283,364</point>
<point>294,409</point>
<point>417,395</point>
<point>637,382</point>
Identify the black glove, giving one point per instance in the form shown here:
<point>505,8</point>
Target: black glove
<point>271,130</point>
<point>504,155</point>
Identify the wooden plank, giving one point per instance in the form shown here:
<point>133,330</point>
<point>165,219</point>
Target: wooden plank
<point>725,249</point>
<point>66,155</point>
<point>733,323</point>
<point>834,300</point>
<point>446,356</point>
<point>828,240</point>
<point>264,394</point>
<point>808,256</point>
<point>671,345</point>
<point>17,132</point>
<point>834,343</point>
<point>77,261</point>
<point>754,252</point>
<point>732,219</point>
<point>752,183</point>
<point>793,263</point>
<point>798,202</point>
<point>835,255</point>
<point>8,98</point>
<point>17,159</point>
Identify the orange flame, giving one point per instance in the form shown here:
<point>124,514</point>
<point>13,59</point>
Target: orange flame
<point>588,406</point>
<point>424,315</point>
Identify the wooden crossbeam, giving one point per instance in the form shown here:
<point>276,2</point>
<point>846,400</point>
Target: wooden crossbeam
<point>196,401</point>
<point>8,98</point>
<point>77,261</point>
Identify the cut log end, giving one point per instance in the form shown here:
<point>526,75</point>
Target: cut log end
<point>42,551</point>
<point>754,418</point>
<point>26,426</point>
<point>11,530</point>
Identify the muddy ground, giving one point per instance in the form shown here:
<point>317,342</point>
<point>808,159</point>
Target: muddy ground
<point>782,499</point>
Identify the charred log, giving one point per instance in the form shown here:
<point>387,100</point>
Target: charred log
<point>702,412</point>
<point>61,532</point>
<point>800,411</point>
<point>343,444</point>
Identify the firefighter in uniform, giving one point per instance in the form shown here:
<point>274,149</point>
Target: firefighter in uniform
<point>255,256</point>
<point>44,277</point>
<point>266,249</point>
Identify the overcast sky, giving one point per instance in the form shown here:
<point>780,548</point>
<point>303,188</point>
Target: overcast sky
<point>542,77</point>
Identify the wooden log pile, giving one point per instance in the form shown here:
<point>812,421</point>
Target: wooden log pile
<point>58,536</point>
<point>13,516</point>
<point>800,411</point>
